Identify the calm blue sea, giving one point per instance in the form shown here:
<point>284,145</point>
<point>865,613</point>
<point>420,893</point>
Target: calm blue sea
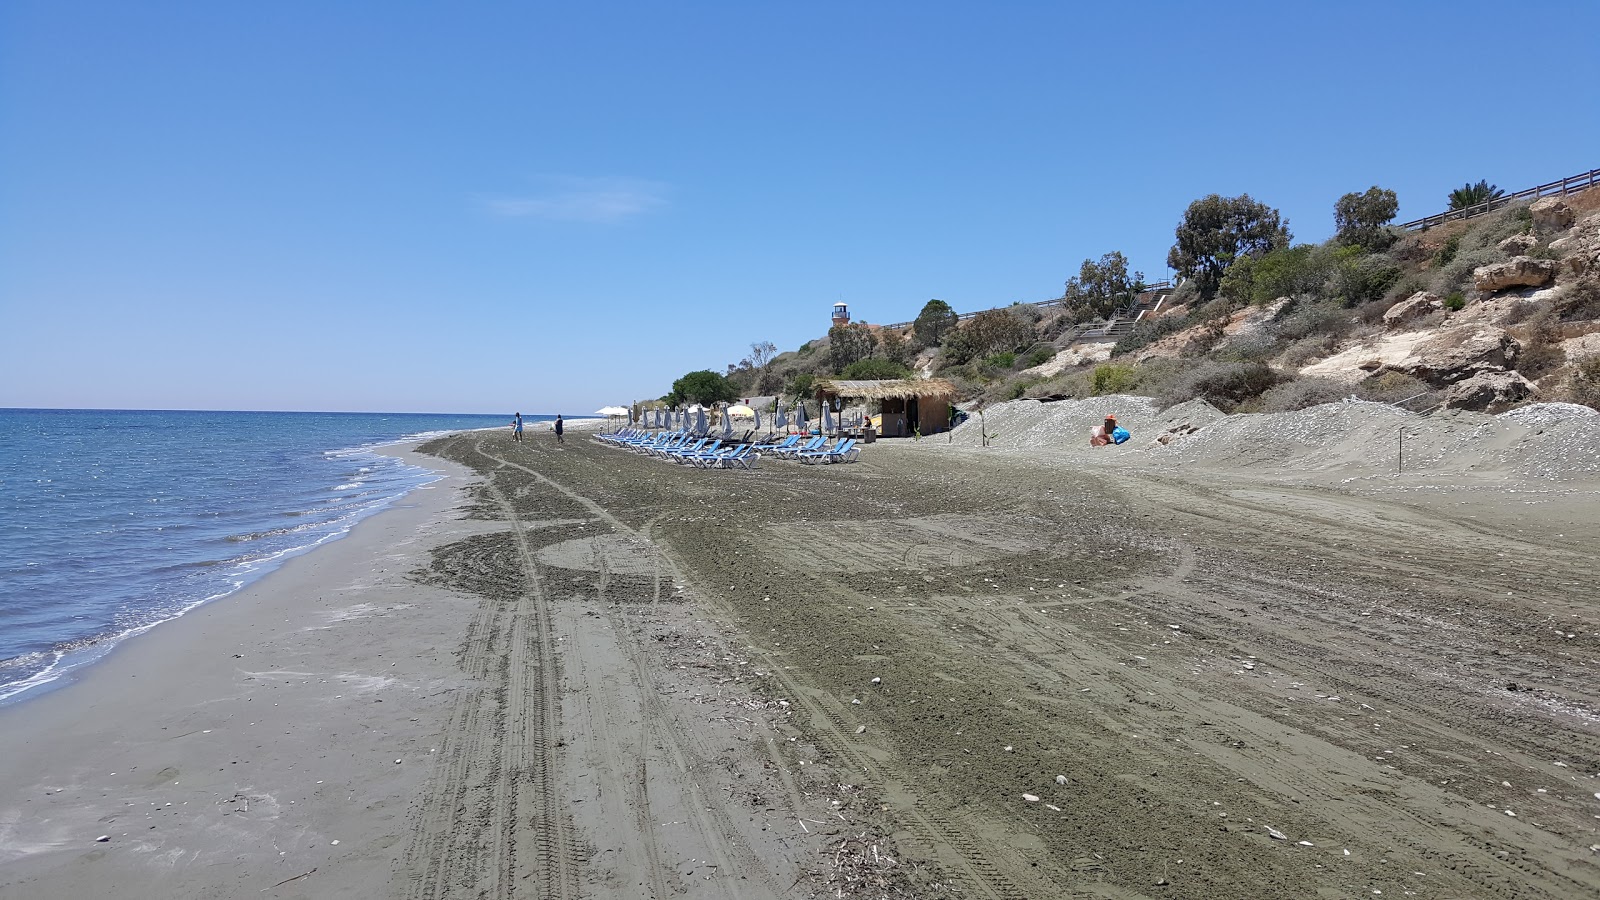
<point>112,522</point>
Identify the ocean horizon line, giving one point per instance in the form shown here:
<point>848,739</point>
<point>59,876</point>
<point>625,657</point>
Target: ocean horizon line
<point>312,412</point>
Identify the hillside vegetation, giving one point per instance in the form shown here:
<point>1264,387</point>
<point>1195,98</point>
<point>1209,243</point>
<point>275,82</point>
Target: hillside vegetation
<point>1484,313</point>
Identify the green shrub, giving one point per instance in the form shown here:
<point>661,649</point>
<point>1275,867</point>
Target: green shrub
<point>1581,302</point>
<point>1447,252</point>
<point>1393,387</point>
<point>1455,302</point>
<point>1295,271</point>
<point>1307,319</point>
<point>874,368</point>
<point>1583,385</point>
<point>1068,384</point>
<point>1003,360</point>
<point>1541,353</point>
<point>1148,332</point>
<point>1038,357</point>
<point>1224,385</point>
<point>805,349</point>
<point>1308,348</point>
<point>1302,393</point>
<point>1360,277</point>
<point>1110,378</point>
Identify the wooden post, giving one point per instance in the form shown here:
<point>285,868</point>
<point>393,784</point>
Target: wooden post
<point>1402,449</point>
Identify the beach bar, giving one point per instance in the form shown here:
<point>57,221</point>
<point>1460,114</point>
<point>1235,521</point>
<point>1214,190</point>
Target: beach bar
<point>908,406</point>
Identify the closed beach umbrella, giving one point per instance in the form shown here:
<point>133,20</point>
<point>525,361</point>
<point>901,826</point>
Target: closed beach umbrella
<point>700,426</point>
<point>800,416</point>
<point>827,419</point>
<point>757,414</point>
<point>782,420</point>
<point>727,424</point>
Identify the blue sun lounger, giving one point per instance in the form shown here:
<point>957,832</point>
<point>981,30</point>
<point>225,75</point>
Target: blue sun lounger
<point>843,452</point>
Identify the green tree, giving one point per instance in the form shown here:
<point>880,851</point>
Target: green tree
<point>894,346</point>
<point>1297,271</point>
<point>1470,194</point>
<point>848,343</point>
<point>988,332</point>
<point>1100,287</point>
<point>704,386</point>
<point>874,368</point>
<point>1218,230</point>
<point>801,385</point>
<point>934,322</point>
<point>1361,218</point>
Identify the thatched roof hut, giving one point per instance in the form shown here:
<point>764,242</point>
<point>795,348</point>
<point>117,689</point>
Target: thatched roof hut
<point>908,406</point>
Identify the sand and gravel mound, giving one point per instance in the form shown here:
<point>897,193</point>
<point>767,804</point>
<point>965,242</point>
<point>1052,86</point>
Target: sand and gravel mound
<point>1558,441</point>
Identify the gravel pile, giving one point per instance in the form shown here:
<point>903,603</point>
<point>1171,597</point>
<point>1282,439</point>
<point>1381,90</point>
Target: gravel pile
<point>1543,440</point>
<point>1065,424</point>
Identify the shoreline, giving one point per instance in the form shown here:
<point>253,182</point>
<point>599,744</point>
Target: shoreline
<point>162,745</point>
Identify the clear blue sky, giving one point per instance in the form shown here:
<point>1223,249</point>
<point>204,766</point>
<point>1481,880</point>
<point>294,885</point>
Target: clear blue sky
<point>477,207</point>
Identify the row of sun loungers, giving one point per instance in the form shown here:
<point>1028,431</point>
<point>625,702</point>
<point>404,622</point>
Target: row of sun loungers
<point>709,453</point>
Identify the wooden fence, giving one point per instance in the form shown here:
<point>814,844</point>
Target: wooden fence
<point>1569,185</point>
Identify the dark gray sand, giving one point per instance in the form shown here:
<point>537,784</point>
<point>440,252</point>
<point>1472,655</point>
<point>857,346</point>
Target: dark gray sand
<point>955,673</point>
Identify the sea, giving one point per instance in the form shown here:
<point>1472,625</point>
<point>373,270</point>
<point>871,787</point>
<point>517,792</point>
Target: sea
<point>115,521</point>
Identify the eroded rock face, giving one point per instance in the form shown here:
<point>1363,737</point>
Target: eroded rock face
<point>1551,214</point>
<point>1457,354</point>
<point>1489,391</point>
<point>1580,248</point>
<point>1518,244</point>
<point>1411,309</point>
<point>1524,271</point>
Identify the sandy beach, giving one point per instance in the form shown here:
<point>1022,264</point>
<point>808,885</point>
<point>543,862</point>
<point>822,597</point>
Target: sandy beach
<point>566,670</point>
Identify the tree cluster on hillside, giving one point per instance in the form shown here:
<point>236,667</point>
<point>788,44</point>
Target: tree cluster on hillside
<point>1101,287</point>
<point>1216,231</point>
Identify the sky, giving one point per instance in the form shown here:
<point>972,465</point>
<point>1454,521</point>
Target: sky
<point>551,207</point>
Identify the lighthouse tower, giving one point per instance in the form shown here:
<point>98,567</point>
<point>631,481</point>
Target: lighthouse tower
<point>841,314</point>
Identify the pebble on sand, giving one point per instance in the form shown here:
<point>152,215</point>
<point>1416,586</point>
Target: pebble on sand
<point>102,838</point>
<point>1275,834</point>
<point>1030,798</point>
<point>1062,779</point>
<point>861,729</point>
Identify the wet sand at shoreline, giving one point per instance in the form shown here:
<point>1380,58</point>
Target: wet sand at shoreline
<point>933,673</point>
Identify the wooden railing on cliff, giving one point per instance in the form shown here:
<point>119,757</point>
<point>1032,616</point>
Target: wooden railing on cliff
<point>1571,185</point>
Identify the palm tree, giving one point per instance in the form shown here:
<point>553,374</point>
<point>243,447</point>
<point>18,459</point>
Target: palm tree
<point>1470,194</point>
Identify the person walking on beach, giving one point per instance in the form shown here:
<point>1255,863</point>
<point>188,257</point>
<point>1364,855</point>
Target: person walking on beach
<point>559,428</point>
<point>516,428</point>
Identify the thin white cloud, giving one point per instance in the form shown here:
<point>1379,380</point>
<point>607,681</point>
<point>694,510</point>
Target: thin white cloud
<point>600,201</point>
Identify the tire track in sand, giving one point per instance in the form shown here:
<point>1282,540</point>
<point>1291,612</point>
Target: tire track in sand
<point>951,843</point>
<point>493,819</point>
<point>711,821</point>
